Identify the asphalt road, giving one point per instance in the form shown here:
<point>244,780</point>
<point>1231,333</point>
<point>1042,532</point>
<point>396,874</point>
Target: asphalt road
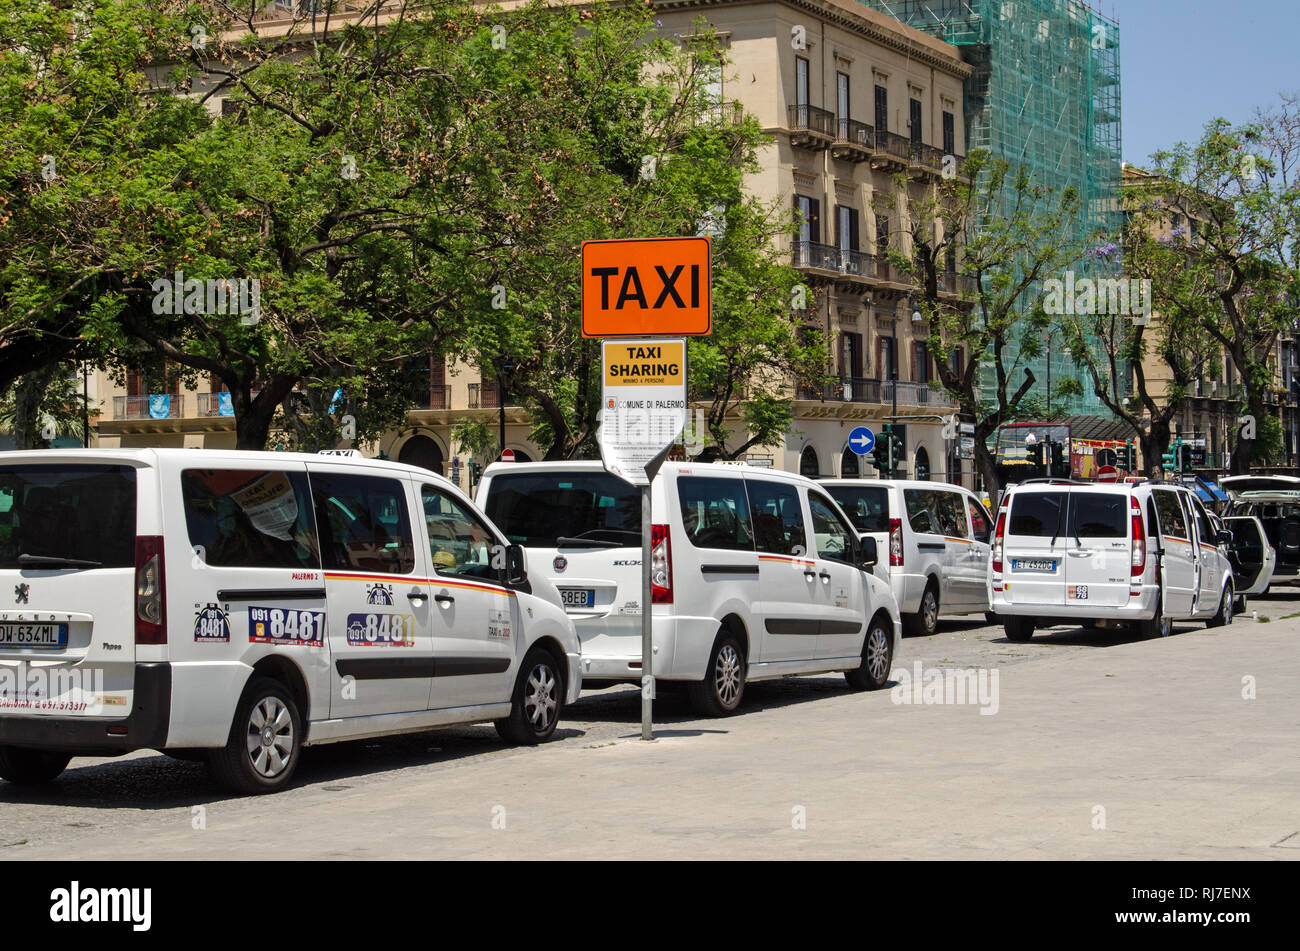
<point>1156,731</point>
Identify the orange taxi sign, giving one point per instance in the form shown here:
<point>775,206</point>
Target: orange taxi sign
<point>646,287</point>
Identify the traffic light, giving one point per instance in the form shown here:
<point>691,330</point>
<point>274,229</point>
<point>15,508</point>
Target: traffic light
<point>880,454</point>
<point>1169,459</point>
<point>1036,454</point>
<point>1124,458</point>
<point>475,473</point>
<point>1060,465</point>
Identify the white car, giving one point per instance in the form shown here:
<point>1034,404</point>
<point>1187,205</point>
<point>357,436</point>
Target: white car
<point>1275,501</point>
<point>238,606</point>
<point>756,574</point>
<point>937,536</point>
<point>1145,553</point>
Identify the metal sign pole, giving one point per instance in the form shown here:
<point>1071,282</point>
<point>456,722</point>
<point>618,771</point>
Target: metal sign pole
<point>647,638</point>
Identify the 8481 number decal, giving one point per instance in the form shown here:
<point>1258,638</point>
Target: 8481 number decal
<point>286,626</point>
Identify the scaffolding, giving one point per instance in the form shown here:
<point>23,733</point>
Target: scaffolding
<point>1044,93</point>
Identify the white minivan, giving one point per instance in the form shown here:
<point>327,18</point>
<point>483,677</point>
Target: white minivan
<point>756,574</point>
<point>237,606</point>
<point>937,536</point>
<point>1145,553</point>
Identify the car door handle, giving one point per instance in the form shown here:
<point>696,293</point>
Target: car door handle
<point>809,574</point>
<point>1079,552</point>
<point>415,594</point>
<point>444,598</point>
<point>824,575</point>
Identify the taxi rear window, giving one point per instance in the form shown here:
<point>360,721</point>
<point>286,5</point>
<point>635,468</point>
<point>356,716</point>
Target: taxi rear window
<point>67,512</point>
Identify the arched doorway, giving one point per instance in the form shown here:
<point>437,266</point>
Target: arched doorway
<point>808,463</point>
<point>849,468</point>
<point>423,452</point>
<point>921,465</point>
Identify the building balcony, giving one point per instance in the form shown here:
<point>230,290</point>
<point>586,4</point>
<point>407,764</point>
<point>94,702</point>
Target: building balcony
<point>484,396</point>
<point>154,406</point>
<point>814,256</point>
<point>848,389</point>
<point>892,151</point>
<point>854,141</point>
<point>438,397</point>
<point>810,127</point>
<point>929,159</point>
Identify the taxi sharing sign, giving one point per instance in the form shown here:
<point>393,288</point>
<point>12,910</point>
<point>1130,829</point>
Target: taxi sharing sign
<point>643,297</point>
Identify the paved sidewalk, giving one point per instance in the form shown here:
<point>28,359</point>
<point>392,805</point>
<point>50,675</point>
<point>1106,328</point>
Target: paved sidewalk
<point>1156,733</point>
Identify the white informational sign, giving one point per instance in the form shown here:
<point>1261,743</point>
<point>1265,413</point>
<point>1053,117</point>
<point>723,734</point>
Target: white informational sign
<point>643,404</point>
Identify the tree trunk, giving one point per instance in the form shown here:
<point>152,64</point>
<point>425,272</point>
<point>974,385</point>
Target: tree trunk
<point>28,394</point>
<point>1244,452</point>
<point>253,417</point>
<point>987,465</point>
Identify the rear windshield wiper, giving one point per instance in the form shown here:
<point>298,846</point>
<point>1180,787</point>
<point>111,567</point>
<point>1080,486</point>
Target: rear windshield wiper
<point>55,561</point>
<point>564,541</point>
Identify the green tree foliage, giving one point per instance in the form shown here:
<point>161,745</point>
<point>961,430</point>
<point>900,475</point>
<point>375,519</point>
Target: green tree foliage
<point>1008,235</point>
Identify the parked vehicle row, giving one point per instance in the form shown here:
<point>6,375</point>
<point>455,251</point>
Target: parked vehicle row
<point>236,607</point>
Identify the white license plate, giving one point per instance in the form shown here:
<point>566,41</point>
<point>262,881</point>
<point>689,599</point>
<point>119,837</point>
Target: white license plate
<point>33,636</point>
<point>1033,564</point>
<point>578,597</point>
<point>1078,592</point>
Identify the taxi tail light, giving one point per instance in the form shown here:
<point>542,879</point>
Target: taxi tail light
<point>998,534</point>
<point>895,542</point>
<point>661,566</point>
<point>150,591</point>
<point>1138,546</point>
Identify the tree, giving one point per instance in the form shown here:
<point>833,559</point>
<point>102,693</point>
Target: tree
<point>42,405</point>
<point>1237,280</point>
<point>1111,343</point>
<point>1008,236</point>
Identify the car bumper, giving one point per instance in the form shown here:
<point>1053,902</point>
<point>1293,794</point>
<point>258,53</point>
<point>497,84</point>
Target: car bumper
<point>574,680</point>
<point>144,729</point>
<point>681,649</point>
<point>1140,607</point>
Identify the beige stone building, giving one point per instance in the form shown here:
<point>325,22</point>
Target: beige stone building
<point>852,99</point>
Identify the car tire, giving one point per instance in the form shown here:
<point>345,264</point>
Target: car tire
<point>991,618</point>
<point>720,692</point>
<point>1160,625</point>
<point>925,622</point>
<point>537,701</point>
<point>1223,616</point>
<point>31,767</point>
<point>1018,629</point>
<point>265,741</point>
<point>877,656</point>
<point>1240,606</point>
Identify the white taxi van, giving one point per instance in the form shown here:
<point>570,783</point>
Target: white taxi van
<point>756,574</point>
<point>238,606</point>
<point>1144,553</point>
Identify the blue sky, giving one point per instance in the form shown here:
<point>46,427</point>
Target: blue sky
<point>1184,62</point>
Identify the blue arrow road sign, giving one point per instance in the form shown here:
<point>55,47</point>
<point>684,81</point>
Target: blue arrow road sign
<point>862,440</point>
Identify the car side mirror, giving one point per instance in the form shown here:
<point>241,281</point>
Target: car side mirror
<point>516,569</point>
<point>1225,537</point>
<point>867,557</point>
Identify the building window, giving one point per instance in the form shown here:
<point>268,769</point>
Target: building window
<point>851,355</point>
<point>921,357</point>
<point>949,134</point>
<point>800,81</point>
<point>809,210</point>
<point>842,102</point>
<point>846,228</point>
<point>915,121</point>
<point>885,360</point>
<point>882,109</point>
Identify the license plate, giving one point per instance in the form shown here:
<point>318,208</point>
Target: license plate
<point>578,597</point>
<point>1033,564</point>
<point>1078,592</point>
<point>47,637</point>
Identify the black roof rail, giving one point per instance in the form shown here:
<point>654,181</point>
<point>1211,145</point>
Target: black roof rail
<point>1060,480</point>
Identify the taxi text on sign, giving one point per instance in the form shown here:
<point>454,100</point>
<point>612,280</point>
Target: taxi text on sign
<point>643,404</point>
<point>646,287</point>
